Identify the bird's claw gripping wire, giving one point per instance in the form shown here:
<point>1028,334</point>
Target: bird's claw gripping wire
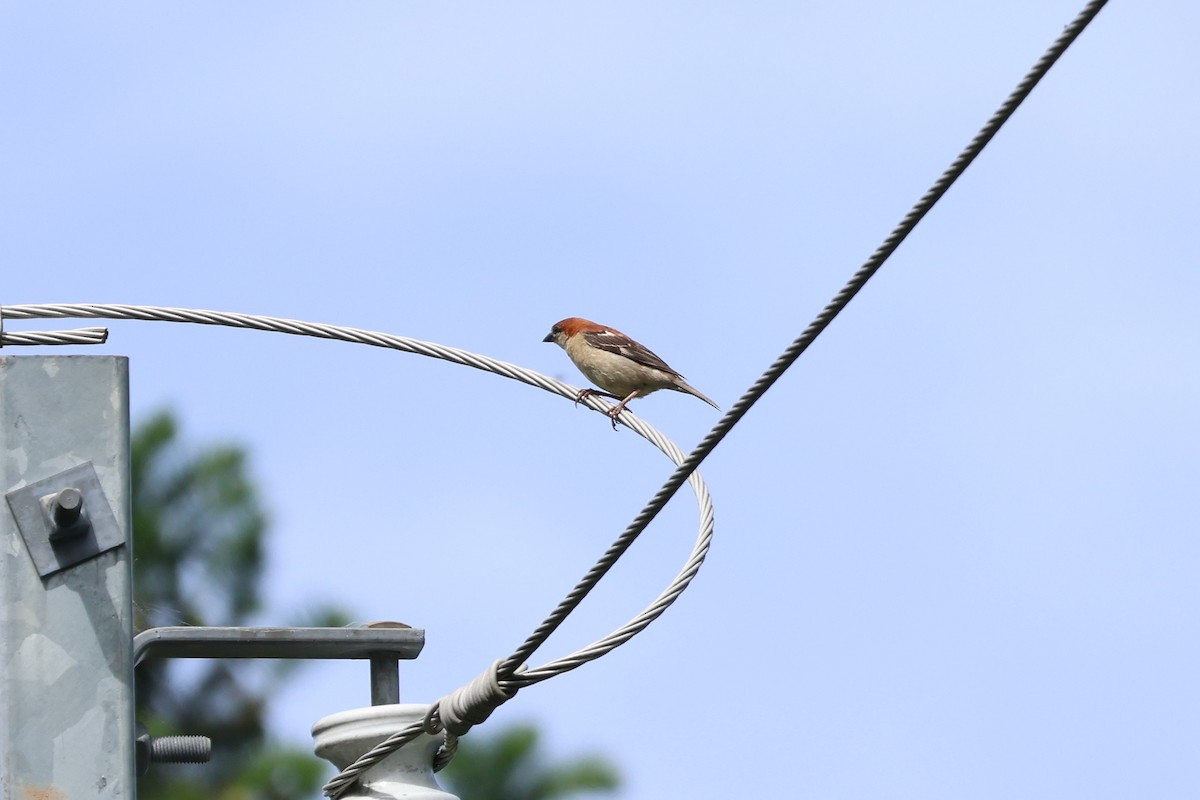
<point>583,394</point>
<point>612,413</point>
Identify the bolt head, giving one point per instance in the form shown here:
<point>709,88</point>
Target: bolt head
<point>67,506</point>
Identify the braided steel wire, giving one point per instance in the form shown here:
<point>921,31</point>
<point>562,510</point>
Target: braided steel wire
<point>43,338</point>
<point>291,326</point>
<point>814,329</point>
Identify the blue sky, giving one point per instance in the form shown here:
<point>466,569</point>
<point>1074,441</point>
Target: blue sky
<point>958,548</point>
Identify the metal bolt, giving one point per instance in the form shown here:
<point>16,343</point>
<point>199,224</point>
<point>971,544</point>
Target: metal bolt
<point>171,750</point>
<point>66,515</point>
<point>66,507</point>
<point>180,749</point>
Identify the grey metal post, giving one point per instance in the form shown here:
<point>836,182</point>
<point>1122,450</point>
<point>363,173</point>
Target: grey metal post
<point>66,623</point>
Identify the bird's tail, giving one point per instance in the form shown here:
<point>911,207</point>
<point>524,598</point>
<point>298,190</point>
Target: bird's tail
<point>683,386</point>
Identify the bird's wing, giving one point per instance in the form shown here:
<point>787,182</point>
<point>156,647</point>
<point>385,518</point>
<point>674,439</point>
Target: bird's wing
<point>622,345</point>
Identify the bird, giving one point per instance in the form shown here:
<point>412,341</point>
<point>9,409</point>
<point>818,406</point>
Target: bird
<point>622,368</point>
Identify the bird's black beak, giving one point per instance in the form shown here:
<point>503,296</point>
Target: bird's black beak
<point>549,337</point>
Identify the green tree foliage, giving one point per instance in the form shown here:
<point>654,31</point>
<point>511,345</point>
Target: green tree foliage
<point>508,765</point>
<point>199,532</point>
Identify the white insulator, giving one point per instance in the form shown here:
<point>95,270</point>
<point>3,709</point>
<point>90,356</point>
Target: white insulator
<point>405,773</point>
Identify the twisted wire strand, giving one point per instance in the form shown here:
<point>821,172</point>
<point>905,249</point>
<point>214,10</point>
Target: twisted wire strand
<point>295,327</point>
<point>527,677</point>
<point>341,783</point>
<point>43,338</point>
<point>814,329</point>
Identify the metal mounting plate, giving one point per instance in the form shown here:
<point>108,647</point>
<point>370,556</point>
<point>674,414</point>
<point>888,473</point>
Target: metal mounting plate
<point>35,524</point>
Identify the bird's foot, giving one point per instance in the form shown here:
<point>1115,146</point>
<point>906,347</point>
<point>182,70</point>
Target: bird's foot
<point>590,392</point>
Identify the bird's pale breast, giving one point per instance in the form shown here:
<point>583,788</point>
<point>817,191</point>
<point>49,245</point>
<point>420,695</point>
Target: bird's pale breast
<point>615,373</point>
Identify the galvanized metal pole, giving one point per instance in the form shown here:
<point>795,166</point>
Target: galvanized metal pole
<point>66,622</point>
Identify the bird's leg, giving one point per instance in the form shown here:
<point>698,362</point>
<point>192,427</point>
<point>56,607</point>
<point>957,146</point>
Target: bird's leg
<point>616,410</point>
<point>589,392</point>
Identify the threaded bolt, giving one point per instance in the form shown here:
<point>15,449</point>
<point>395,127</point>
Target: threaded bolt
<point>171,750</point>
<point>180,749</point>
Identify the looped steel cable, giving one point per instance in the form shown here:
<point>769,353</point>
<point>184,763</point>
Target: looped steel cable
<point>509,679</point>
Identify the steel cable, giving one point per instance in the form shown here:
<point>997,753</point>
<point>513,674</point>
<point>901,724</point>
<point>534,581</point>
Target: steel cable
<point>814,329</point>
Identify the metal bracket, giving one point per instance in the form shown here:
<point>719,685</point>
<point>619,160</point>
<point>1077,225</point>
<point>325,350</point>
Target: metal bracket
<point>395,640</point>
<point>65,519</point>
<point>384,643</point>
